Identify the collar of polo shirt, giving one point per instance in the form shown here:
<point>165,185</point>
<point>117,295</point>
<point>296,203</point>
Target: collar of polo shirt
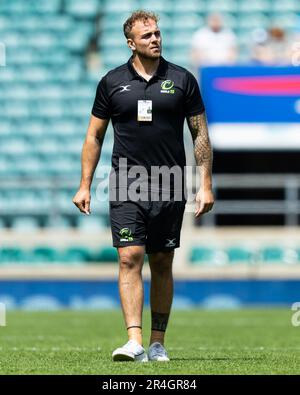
<point>161,71</point>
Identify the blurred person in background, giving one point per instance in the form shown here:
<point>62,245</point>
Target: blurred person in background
<point>258,43</point>
<point>147,138</point>
<point>213,44</point>
<point>92,58</point>
<point>295,44</point>
<point>271,47</point>
<point>92,55</point>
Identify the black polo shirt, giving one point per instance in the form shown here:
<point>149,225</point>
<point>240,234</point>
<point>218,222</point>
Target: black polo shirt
<point>174,93</point>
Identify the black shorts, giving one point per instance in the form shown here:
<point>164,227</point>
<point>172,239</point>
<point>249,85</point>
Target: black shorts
<point>153,224</point>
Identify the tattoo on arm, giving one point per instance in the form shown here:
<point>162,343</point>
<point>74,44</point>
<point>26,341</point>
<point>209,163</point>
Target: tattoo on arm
<point>159,321</point>
<point>202,147</point>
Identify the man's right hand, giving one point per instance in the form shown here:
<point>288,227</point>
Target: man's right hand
<point>82,200</point>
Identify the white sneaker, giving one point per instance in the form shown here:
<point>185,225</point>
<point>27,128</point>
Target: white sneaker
<point>131,351</point>
<point>157,352</point>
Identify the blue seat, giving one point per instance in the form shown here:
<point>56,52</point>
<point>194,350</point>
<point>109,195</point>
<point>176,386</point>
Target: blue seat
<point>272,254</point>
<point>114,20</point>
<point>25,223</point>
<point>110,39</point>
<point>124,6</point>
<point>3,224</point>
<point>10,254</point>
<point>211,256</point>
<point>180,55</point>
<point>115,57</point>
<point>285,6</point>
<point>186,22</point>
<point>45,254</point>
<point>240,254</point>
<point>254,6</point>
<point>160,7</point>
<point>92,223</point>
<point>252,21</point>
<point>221,6</point>
<point>106,255</point>
<point>58,222</point>
<point>76,254</point>
<point>192,6</point>
<point>286,21</point>
<point>83,9</point>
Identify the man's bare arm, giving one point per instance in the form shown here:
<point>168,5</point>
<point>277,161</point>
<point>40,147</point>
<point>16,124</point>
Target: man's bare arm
<point>203,156</point>
<point>90,156</point>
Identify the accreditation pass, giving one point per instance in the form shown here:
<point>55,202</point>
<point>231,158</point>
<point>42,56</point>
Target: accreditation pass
<point>145,110</point>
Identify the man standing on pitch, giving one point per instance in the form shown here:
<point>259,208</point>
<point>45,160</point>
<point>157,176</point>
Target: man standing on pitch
<point>147,100</point>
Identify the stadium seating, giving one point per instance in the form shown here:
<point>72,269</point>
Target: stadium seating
<point>178,20</point>
<point>203,256</point>
<point>208,256</point>
<point>239,254</point>
<point>47,89</point>
<point>44,255</point>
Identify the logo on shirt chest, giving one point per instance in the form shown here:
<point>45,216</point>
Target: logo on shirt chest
<point>167,87</point>
<point>125,88</point>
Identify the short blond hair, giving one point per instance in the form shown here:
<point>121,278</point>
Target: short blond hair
<point>139,15</point>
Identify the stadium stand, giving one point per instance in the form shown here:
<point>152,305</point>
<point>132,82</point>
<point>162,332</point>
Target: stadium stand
<point>47,94</point>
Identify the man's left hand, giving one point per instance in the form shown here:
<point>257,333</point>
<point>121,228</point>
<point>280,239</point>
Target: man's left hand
<point>204,202</point>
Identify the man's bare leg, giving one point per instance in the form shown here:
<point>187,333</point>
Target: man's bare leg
<point>131,290</point>
<point>161,293</point>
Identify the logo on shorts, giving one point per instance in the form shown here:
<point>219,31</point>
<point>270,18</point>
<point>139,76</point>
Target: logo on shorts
<point>170,243</point>
<point>125,234</point>
<point>166,87</point>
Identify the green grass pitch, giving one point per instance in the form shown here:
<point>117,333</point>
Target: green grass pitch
<point>198,342</point>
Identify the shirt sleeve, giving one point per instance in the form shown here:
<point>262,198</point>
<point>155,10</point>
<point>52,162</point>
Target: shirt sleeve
<point>101,107</point>
<point>193,100</point>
